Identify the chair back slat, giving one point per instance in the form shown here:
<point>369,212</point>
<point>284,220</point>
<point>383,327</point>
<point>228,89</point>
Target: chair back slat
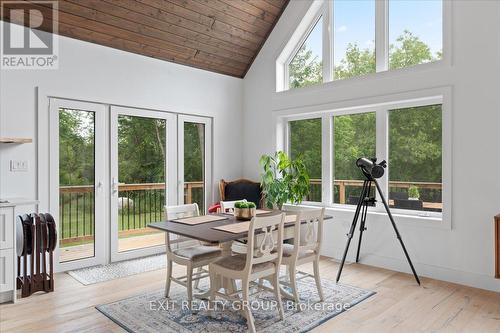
<point>270,247</point>
<point>308,235</point>
<point>178,212</point>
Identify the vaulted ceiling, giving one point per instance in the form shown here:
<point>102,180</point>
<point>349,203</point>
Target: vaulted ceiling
<point>222,36</point>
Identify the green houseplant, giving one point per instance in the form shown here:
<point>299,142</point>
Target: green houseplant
<point>413,193</point>
<point>244,210</point>
<point>283,179</point>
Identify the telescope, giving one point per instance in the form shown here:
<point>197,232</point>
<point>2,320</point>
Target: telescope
<point>372,171</point>
<point>370,167</point>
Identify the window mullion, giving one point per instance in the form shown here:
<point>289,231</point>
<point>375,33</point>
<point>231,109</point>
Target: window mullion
<point>382,150</point>
<point>327,43</point>
<point>327,159</point>
<point>382,35</point>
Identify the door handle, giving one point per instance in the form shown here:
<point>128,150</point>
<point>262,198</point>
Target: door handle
<point>98,187</point>
<point>115,185</point>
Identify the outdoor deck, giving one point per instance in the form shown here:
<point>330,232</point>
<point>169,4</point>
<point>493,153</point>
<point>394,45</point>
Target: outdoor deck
<point>74,252</point>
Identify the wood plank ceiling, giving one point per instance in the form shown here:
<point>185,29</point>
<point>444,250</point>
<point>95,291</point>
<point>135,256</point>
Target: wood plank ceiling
<point>222,36</point>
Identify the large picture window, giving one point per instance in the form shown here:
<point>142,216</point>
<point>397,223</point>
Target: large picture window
<point>408,134</point>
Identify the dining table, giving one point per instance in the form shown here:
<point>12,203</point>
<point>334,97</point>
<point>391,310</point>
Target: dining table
<point>209,233</point>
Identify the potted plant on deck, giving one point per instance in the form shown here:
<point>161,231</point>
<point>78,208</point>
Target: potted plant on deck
<point>283,180</point>
<point>413,193</point>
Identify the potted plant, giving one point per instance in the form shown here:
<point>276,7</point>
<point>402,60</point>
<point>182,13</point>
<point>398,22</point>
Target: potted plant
<point>244,210</point>
<point>283,180</point>
<point>413,193</point>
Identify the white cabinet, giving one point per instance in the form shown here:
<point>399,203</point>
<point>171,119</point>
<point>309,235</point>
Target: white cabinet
<point>6,228</point>
<point>7,268</point>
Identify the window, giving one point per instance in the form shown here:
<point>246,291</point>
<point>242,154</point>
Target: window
<point>415,153</point>
<point>306,66</point>
<point>415,32</point>
<point>409,134</point>
<point>305,143</point>
<point>354,137</point>
<point>353,38</point>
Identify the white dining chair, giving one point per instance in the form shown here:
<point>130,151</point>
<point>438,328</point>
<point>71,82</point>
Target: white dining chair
<point>305,248</point>
<point>227,207</point>
<point>261,261</point>
<point>188,252</point>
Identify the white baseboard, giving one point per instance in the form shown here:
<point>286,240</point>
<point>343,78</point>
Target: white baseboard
<point>435,272</point>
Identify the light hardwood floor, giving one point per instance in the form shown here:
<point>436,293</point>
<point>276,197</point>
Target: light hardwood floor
<point>400,305</point>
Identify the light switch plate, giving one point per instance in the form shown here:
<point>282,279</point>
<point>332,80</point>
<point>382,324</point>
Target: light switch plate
<point>18,165</point>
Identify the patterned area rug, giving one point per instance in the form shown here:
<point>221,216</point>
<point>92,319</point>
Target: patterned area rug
<point>117,270</point>
<point>151,312</point>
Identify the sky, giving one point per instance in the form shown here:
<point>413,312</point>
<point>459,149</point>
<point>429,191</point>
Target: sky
<point>354,21</point>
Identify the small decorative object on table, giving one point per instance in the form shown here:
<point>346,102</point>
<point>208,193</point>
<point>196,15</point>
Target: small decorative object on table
<point>244,210</point>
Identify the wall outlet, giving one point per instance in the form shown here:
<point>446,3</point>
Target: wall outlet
<point>16,165</point>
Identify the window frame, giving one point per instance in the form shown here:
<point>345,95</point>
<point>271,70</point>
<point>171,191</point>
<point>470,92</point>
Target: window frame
<point>305,34</point>
<point>441,219</point>
<point>324,8</point>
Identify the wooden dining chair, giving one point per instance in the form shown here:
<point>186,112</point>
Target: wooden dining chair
<point>228,206</point>
<point>187,252</point>
<point>305,248</point>
<point>261,261</point>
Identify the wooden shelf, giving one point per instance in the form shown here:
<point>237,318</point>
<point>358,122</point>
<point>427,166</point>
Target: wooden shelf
<point>15,140</point>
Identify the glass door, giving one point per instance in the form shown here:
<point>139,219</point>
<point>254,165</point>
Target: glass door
<point>139,176</point>
<point>77,196</point>
<point>194,162</point>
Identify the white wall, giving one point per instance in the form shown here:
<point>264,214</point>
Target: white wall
<point>95,73</point>
<point>464,254</point>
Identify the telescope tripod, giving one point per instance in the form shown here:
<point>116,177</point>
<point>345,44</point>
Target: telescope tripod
<point>361,210</point>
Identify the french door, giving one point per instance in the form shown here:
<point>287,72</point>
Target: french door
<point>194,161</point>
<point>112,171</point>
<point>143,177</point>
<point>78,182</point>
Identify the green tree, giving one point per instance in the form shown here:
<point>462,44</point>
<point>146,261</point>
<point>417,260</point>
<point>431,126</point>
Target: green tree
<point>305,69</point>
<point>409,51</point>
<point>356,63</point>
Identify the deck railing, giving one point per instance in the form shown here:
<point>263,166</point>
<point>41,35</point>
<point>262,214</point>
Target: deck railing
<point>430,191</point>
<point>140,204</point>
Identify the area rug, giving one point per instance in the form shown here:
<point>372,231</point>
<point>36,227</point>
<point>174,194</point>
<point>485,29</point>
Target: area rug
<point>152,312</point>
<point>117,270</point>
